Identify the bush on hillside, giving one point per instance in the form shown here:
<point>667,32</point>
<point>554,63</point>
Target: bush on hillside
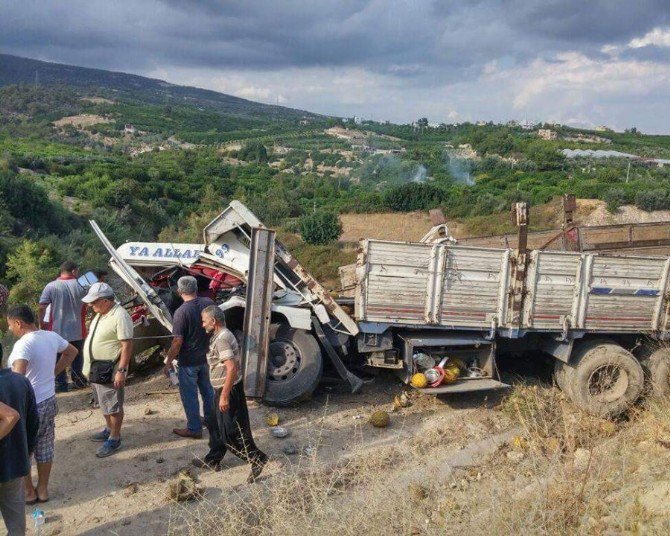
<point>614,197</point>
<point>253,152</point>
<point>413,196</point>
<point>652,200</point>
<point>320,228</point>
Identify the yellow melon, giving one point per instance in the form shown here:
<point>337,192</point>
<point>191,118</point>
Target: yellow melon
<point>380,419</point>
<point>419,380</point>
<point>272,419</point>
<point>449,375</point>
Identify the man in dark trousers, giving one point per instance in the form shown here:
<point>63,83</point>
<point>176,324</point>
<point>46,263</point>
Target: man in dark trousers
<point>189,347</point>
<point>231,430</point>
<point>66,317</point>
<point>16,448</point>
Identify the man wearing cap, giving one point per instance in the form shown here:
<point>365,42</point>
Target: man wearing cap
<point>107,353</point>
<point>66,317</point>
<point>189,347</point>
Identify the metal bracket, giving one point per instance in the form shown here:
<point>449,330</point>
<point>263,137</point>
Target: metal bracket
<point>355,382</point>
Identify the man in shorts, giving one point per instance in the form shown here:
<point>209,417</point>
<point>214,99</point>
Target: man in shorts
<point>108,349</point>
<point>35,356</point>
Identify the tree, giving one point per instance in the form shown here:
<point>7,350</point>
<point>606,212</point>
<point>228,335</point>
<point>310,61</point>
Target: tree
<point>320,227</point>
<point>422,123</point>
<point>546,157</point>
<point>253,152</point>
<point>30,268</point>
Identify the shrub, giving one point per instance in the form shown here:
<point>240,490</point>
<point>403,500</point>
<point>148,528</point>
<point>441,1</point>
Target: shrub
<point>413,196</point>
<point>652,200</point>
<point>614,197</point>
<point>320,228</point>
<point>253,152</point>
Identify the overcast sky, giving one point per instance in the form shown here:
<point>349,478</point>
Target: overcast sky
<point>580,62</point>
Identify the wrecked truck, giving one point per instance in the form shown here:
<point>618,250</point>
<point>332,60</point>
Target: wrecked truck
<point>435,309</point>
<point>305,320</point>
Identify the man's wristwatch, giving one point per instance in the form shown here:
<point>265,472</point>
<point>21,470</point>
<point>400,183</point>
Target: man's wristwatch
<point>123,370</point>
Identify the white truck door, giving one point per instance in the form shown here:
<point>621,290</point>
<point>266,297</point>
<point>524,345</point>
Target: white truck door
<point>126,272</point>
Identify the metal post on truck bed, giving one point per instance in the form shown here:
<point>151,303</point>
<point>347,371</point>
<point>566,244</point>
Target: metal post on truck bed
<point>256,331</point>
<point>520,216</point>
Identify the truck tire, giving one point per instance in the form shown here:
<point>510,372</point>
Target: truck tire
<point>606,380</point>
<point>656,365</point>
<point>294,368</point>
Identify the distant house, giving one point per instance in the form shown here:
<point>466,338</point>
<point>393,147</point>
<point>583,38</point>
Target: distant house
<point>129,129</point>
<point>358,120</point>
<point>547,134</point>
<point>304,122</point>
<point>603,128</point>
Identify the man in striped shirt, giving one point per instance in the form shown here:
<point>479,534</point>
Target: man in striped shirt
<point>231,429</point>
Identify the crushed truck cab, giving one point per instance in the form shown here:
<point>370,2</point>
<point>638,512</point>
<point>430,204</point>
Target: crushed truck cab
<point>220,264</point>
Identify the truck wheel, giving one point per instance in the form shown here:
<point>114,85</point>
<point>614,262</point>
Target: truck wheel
<point>294,367</point>
<point>656,366</point>
<point>606,379</point>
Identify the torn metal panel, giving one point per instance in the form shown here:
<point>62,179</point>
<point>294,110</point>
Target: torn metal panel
<point>256,330</point>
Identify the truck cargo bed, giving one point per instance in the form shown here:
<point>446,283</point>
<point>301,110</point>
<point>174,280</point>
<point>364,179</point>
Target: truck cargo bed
<point>450,286</point>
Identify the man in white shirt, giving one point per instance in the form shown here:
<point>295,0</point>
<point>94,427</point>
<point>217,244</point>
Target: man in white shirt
<point>35,356</point>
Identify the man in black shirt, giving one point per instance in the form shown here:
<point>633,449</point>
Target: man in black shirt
<point>189,346</point>
<point>16,448</point>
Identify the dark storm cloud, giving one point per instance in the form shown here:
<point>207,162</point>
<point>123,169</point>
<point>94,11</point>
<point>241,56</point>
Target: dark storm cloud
<point>594,21</point>
<point>581,62</point>
<point>438,41</point>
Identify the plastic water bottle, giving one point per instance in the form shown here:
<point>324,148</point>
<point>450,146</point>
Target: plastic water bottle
<point>39,519</point>
<point>423,361</point>
<point>172,374</point>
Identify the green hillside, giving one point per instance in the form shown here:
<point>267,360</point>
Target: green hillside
<point>148,159</point>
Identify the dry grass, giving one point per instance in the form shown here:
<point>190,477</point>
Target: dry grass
<point>82,120</point>
<point>579,474</point>
<point>409,226</point>
<point>564,473</point>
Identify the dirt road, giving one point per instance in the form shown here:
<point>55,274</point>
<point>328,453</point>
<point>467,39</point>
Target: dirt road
<point>126,493</point>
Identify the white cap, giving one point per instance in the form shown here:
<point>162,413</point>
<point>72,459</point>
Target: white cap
<point>97,291</point>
